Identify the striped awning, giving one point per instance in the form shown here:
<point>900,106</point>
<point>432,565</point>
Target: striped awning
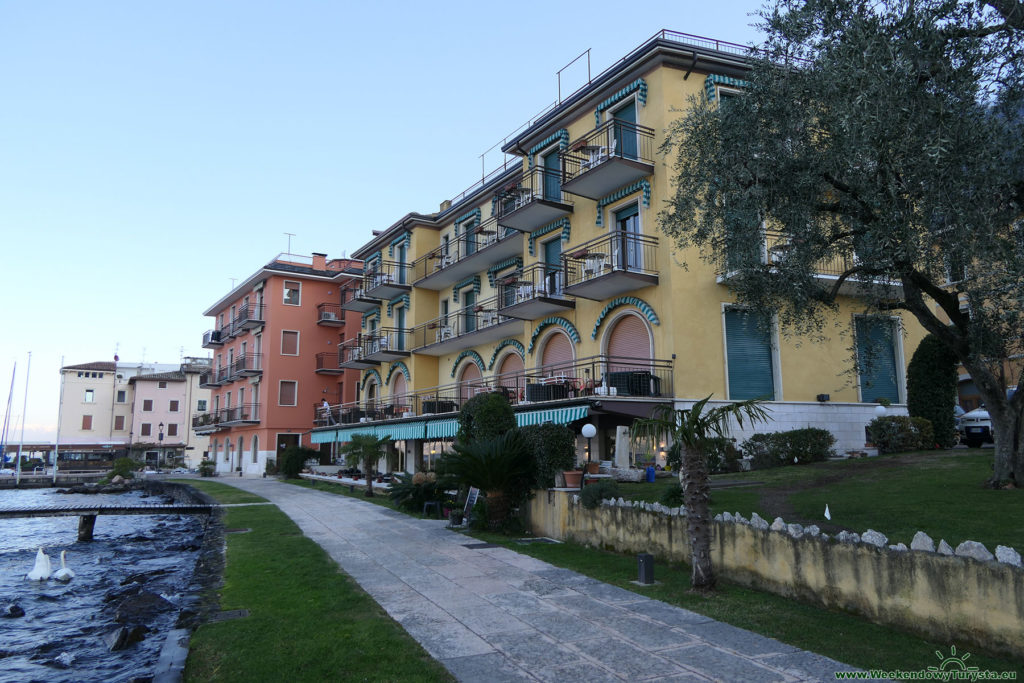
<point>558,416</point>
<point>442,429</point>
<point>326,436</point>
<point>402,431</point>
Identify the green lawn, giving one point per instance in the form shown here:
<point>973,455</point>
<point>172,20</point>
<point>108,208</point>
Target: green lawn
<point>307,621</point>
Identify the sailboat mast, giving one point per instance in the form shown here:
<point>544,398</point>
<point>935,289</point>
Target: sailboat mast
<point>7,419</point>
<point>24,408</point>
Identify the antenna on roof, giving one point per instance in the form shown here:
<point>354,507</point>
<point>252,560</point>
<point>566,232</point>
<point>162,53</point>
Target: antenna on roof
<point>233,280</point>
<point>290,236</point>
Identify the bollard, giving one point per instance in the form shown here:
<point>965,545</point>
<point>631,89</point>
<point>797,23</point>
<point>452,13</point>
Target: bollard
<point>86,524</point>
<point>645,563</point>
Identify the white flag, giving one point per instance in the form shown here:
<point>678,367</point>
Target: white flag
<point>828,515</point>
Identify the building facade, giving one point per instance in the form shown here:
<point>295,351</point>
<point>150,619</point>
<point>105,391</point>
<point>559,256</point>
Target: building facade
<point>276,346</point>
<point>550,282</point>
<point>160,416</point>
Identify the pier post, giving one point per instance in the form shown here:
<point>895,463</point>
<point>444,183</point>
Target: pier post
<point>86,523</point>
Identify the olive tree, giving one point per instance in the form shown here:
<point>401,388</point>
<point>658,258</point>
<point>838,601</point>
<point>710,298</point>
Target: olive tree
<point>883,138</point>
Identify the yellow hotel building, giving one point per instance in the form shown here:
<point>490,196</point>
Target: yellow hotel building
<point>550,282</point>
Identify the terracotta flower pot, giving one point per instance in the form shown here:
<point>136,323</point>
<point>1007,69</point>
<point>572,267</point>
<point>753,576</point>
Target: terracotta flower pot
<point>593,467</point>
<point>573,479</point>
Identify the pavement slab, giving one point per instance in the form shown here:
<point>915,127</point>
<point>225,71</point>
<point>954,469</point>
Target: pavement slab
<point>491,614</point>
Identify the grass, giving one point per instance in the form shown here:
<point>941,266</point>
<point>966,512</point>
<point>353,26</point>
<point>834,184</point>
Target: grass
<point>307,620</point>
<point>839,635</point>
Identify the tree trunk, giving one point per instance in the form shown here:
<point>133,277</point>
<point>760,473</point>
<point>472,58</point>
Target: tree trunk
<point>369,477</point>
<point>498,506</point>
<point>1007,420</point>
<point>697,499</point>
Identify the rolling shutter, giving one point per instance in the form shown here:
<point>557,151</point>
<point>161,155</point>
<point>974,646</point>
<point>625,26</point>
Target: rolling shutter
<point>557,353</point>
<point>398,387</point>
<point>628,340</point>
<point>470,376</point>
<point>749,353</point>
<point>876,358</point>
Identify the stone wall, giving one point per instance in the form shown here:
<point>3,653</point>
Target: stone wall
<point>965,595</point>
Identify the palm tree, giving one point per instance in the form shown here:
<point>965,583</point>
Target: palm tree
<point>694,430</point>
<point>501,467</point>
<point>364,450</point>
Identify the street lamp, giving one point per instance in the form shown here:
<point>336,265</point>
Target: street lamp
<point>160,438</point>
<point>589,431</point>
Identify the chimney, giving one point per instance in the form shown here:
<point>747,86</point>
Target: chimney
<point>445,205</point>
<point>319,261</point>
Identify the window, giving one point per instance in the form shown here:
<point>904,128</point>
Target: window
<point>201,405</point>
<point>286,393</point>
<point>289,343</point>
<point>161,385</point>
<point>876,359</point>
<point>80,374</point>
<point>749,356</point>
<point>121,397</point>
<point>292,292</point>
<point>172,429</point>
<point>87,422</point>
<point>119,423</point>
<point>90,396</point>
<point>147,429</point>
<point>147,405</point>
<point>173,407</point>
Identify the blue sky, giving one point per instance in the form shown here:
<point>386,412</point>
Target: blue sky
<point>150,152</point>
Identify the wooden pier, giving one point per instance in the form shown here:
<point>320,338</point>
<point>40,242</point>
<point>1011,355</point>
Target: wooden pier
<point>87,513</point>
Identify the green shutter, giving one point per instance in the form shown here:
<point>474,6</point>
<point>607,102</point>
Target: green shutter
<point>749,356</point>
<point>876,358</point>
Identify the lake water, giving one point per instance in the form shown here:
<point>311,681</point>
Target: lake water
<point>61,636</point>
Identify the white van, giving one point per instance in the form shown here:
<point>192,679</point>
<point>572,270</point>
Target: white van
<point>977,425</point>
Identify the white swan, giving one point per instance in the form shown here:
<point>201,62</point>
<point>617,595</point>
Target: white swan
<point>63,574</point>
<point>42,570</point>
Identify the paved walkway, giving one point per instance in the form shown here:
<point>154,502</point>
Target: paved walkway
<point>491,614</point>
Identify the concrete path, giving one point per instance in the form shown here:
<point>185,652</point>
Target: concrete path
<point>490,614</point>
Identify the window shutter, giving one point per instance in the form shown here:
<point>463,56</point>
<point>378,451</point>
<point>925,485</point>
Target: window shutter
<point>557,353</point>
<point>876,356</point>
<point>628,339</point>
<point>750,357</point>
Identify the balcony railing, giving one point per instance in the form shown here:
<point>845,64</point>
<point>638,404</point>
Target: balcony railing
<point>358,300</point>
<point>247,365</point>
<point>353,355</point>
<point>534,292</point>
<point>214,378</point>
<point>607,158</point>
<point>248,317</point>
<point>329,315</point>
<point>386,279</point>
<point>228,331</point>
<point>534,200</point>
<point>329,363</point>
<point>476,324</point>
<point>608,377</point>
<point>206,421</point>
<point>386,343</point>
<point>610,265</point>
<point>484,245</point>
<point>211,339</point>
<point>243,414</point>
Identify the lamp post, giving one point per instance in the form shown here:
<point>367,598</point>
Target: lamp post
<point>160,439</point>
<point>589,431</point>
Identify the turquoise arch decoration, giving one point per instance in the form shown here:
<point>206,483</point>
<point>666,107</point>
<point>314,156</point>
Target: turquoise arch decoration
<point>639,86</point>
<point>406,239</point>
<point>366,378</point>
<point>473,280</point>
<point>562,135</point>
<point>560,224</point>
<point>473,216</point>
<point>375,313</point>
<point>574,335</point>
<point>514,343</point>
<point>398,365</point>
<point>472,355</point>
<point>640,304</point>
<point>400,299</point>
<point>516,261</point>
<point>714,79</point>
<point>622,193</point>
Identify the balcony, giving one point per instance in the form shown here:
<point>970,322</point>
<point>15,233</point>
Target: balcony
<point>329,315</point>
<point>613,264</point>
<point>607,158</point>
<point>228,331</point>
<point>329,363</point>
<point>214,378</point>
<point>534,293</point>
<point>211,339</point>
<point>248,317</point>
<point>386,344</point>
<point>534,200</point>
<point>248,365</point>
<point>353,356</point>
<point>204,423</point>
<point>386,280</point>
<point>357,300</point>
<point>247,414</point>
<point>487,244</point>
<point>477,324</point>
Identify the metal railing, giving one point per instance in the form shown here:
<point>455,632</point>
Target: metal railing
<point>536,184</point>
<point>617,251</point>
<point>613,139</point>
<point>461,248</point>
<point>249,363</point>
<point>385,273</point>
<point>480,315</point>
<point>244,413</point>
<point>774,249</point>
<point>386,339</point>
<point>247,316</point>
<point>537,280</point>
<point>329,312</point>
<point>605,376</point>
<point>211,337</point>
<point>329,360</point>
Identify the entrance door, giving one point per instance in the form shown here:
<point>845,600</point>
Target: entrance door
<point>552,169</point>
<point>400,249</point>
<point>625,131</point>
<point>629,255</point>
<point>400,333</point>
<point>286,441</point>
<point>468,315</point>
<point>553,266</point>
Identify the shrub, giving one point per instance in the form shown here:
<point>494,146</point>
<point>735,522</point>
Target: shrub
<point>411,491</point>
<point>553,448</point>
<point>672,497</point>
<point>925,433</point>
<point>484,417</point>
<point>722,455</point>
<point>123,467</point>
<point>294,458</point>
<point>894,434</point>
<point>501,467</point>
<point>207,468</point>
<point>592,494</point>
<point>931,388</point>
<point>764,451</point>
<point>775,449</point>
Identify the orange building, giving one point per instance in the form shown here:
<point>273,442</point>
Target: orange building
<point>276,360</point>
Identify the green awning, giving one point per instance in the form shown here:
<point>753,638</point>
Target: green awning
<point>402,431</point>
<point>347,434</point>
<point>442,429</point>
<point>558,416</point>
<point>326,436</point>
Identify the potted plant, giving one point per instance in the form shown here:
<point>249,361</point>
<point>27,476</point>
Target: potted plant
<point>573,478</point>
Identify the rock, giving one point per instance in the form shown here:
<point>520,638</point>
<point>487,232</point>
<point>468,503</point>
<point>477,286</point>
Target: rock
<point>718,517</point>
<point>140,607</point>
<point>64,660</point>
<point>621,502</point>
<point>812,530</point>
<point>758,522</point>
<point>740,519</point>
<point>778,525</point>
<point>922,541</point>
<point>795,530</point>
<point>125,636</point>
<point>142,577</point>
<point>674,512</point>
<point>118,479</point>
<point>944,548</point>
<point>12,611</point>
<point>974,549</point>
<point>848,537</point>
<point>899,547</point>
<point>874,538</point>
<point>727,517</point>
<point>1008,555</point>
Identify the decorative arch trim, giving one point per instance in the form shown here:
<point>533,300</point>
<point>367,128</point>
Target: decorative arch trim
<point>398,365</point>
<point>400,299</point>
<point>574,335</point>
<point>639,86</point>
<point>405,239</point>
<point>560,224</point>
<point>514,343</point>
<point>714,80</point>
<point>622,193</point>
<point>366,378</point>
<point>473,280</point>
<point>473,216</point>
<point>562,135</point>
<point>375,313</point>
<point>516,261</point>
<point>473,356</point>
<point>640,304</point>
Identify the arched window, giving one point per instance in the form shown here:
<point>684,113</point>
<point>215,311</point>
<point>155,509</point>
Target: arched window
<point>469,380</point>
<point>510,375</point>
<point>399,389</point>
<point>255,447</point>
<point>629,350</point>
<point>558,355</point>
